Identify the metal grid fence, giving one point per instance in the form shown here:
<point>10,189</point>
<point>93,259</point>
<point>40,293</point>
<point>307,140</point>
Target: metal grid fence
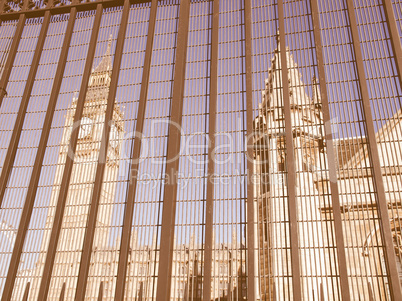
<point>200,150</point>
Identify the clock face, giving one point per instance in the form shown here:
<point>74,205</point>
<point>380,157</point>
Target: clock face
<point>114,136</point>
<point>85,128</point>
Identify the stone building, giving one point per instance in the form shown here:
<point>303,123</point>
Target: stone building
<point>361,230</point>
<point>270,165</point>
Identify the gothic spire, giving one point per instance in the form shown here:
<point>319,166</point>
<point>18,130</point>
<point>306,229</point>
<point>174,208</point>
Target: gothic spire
<point>274,81</point>
<point>105,64</point>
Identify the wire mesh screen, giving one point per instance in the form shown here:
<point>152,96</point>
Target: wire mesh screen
<point>13,199</point>
<point>29,142</point>
<point>53,165</point>
<point>118,174</point>
<point>8,30</point>
<point>200,150</point>
<point>75,216</point>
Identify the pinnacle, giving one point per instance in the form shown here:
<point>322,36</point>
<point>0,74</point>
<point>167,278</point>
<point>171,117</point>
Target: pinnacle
<point>106,62</point>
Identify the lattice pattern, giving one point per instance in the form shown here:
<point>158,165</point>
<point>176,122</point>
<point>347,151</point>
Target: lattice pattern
<point>273,187</point>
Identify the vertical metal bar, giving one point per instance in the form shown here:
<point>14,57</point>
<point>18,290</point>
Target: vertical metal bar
<point>10,61</point>
<point>58,218</point>
<point>370,290</point>
<point>63,291</point>
<point>395,289</point>
<point>33,184</point>
<point>100,169</point>
<point>100,294</point>
<point>322,297</point>
<point>19,122</point>
<point>395,39</point>
<point>25,5</point>
<point>26,292</point>
<point>331,155</point>
<point>249,124</point>
<point>50,3</point>
<point>290,160</point>
<point>129,209</point>
<point>2,7</point>
<point>172,159</point>
<point>209,206</point>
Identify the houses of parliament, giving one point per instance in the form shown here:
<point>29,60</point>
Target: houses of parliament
<point>313,198</point>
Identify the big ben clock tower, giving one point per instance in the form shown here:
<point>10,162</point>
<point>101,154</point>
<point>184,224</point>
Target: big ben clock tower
<point>82,180</point>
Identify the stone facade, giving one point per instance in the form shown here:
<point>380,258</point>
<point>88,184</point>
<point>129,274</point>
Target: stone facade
<point>365,258</point>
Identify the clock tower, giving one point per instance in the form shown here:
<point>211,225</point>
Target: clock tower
<point>82,180</point>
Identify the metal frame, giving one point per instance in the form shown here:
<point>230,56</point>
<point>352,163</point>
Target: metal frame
<point>33,184</point>
<point>386,233</point>
<point>26,292</point>
<point>14,141</point>
<point>3,84</point>
<point>330,148</point>
<point>10,61</point>
<point>290,159</point>
<point>19,122</point>
<point>58,218</point>
<point>100,294</point>
<point>209,206</point>
<point>91,5</point>
<point>129,209</point>
<point>172,165</point>
<point>2,6</point>
<point>173,147</point>
<point>250,197</point>
<point>63,291</point>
